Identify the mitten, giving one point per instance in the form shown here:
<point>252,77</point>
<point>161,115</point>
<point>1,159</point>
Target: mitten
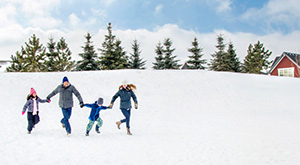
<point>23,113</point>
<point>110,105</point>
<point>49,101</point>
<point>136,105</point>
<point>81,105</point>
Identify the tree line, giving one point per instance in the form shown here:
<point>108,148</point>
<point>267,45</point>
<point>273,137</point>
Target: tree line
<point>34,57</point>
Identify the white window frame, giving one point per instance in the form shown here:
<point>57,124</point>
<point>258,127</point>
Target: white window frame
<point>286,72</point>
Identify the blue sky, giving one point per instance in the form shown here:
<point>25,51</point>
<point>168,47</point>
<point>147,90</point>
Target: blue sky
<point>276,23</point>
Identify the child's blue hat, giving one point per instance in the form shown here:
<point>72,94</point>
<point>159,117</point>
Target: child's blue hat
<point>100,101</point>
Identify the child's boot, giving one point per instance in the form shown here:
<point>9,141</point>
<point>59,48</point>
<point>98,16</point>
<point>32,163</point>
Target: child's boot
<point>87,133</point>
<point>97,129</point>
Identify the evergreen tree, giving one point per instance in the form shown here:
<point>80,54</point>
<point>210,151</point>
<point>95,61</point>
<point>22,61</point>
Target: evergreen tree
<point>121,60</point>
<point>31,58</point>
<point>52,55</point>
<point>233,61</point>
<point>135,61</point>
<point>89,56</point>
<point>169,60</point>
<point>35,54</point>
<point>195,61</point>
<point>113,55</point>
<point>218,60</point>
<point>17,62</point>
<point>256,59</point>
<point>159,64</point>
<point>64,56</point>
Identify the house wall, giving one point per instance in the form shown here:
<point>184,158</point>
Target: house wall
<point>286,63</point>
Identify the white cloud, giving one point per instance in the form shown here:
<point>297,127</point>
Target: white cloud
<point>37,7</point>
<point>99,13</point>
<point>276,12</point>
<point>224,5</point>
<point>74,20</point>
<point>220,5</point>
<point>158,9</point>
<point>7,14</point>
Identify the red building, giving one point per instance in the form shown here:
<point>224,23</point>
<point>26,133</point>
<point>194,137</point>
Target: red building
<point>288,64</point>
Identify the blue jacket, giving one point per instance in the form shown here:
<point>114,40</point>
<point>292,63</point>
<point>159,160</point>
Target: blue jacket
<point>125,96</point>
<point>95,112</point>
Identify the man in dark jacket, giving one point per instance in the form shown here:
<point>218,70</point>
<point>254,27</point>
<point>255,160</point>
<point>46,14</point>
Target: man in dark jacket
<point>65,91</point>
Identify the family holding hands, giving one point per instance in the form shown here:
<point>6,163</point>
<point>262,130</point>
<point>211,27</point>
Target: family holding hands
<point>66,91</point>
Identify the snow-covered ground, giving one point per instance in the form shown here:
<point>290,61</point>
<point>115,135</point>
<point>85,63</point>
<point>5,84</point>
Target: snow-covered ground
<point>184,117</point>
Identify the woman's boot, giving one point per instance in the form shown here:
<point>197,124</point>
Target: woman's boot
<point>128,132</point>
<point>118,124</point>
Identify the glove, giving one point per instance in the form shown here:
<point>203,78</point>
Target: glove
<point>23,113</point>
<point>136,105</point>
<point>81,105</point>
<point>49,101</point>
<point>110,105</point>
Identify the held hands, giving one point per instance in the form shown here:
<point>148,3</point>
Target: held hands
<point>81,105</point>
<point>23,113</point>
<point>110,105</point>
<point>48,100</point>
<point>136,105</point>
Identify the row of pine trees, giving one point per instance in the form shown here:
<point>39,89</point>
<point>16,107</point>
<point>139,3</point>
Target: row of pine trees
<point>34,57</point>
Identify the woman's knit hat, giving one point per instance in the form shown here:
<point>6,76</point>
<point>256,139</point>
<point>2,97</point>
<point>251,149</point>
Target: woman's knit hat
<point>125,82</point>
<point>32,91</point>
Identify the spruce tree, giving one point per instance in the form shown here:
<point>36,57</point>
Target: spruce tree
<point>135,61</point>
<point>121,60</point>
<point>257,59</point>
<point>112,54</point>
<point>218,60</point>
<point>33,56</point>
<point>233,64</point>
<point>17,62</point>
<point>169,60</point>
<point>159,64</point>
<point>52,55</point>
<point>65,62</point>
<point>89,56</point>
<point>195,61</point>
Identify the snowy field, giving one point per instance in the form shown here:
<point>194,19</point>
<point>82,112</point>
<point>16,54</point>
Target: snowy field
<point>184,117</point>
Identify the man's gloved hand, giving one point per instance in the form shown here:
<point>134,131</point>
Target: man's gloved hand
<point>81,105</point>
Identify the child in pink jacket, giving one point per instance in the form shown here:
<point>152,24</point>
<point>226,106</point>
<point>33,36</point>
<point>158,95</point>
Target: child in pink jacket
<point>33,109</point>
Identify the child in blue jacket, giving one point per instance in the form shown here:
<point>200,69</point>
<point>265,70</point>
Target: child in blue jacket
<point>95,115</point>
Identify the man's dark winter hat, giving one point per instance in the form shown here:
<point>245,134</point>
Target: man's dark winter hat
<point>65,79</point>
<point>100,101</point>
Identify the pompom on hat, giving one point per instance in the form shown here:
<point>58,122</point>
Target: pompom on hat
<point>32,91</point>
